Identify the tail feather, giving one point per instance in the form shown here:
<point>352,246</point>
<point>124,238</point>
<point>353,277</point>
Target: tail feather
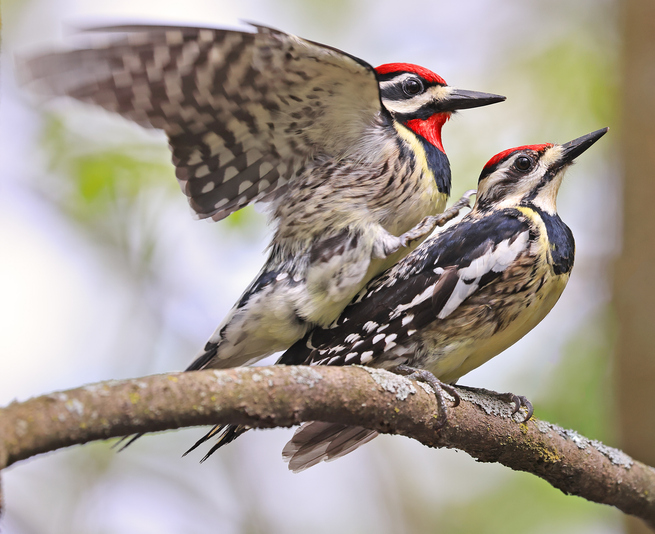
<point>316,441</point>
<point>131,439</point>
<point>204,358</point>
<point>226,434</point>
<point>198,363</point>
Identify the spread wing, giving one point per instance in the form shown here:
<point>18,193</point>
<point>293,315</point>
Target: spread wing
<point>424,288</point>
<point>243,112</point>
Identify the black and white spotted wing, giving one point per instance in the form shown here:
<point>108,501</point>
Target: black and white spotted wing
<point>244,112</point>
<point>426,286</point>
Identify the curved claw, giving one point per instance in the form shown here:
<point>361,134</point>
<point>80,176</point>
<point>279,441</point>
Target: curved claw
<point>517,400</point>
<point>437,386</point>
<point>465,201</point>
<point>453,393</point>
<point>517,403</point>
<point>429,223</point>
<point>520,400</point>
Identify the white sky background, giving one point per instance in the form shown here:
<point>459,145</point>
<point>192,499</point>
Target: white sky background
<point>63,304</point>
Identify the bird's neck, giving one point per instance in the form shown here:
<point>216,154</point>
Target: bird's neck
<point>430,159</point>
<point>561,245</point>
<point>430,128</point>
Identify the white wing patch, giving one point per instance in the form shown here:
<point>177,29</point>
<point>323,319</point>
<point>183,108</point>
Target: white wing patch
<point>494,260</point>
<point>460,293</point>
<point>425,295</point>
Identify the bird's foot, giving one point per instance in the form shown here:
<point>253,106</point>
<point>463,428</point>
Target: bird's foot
<point>437,386</point>
<point>429,223</point>
<point>519,401</point>
<point>387,244</point>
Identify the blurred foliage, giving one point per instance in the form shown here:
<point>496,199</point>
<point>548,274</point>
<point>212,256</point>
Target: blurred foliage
<point>108,192</point>
<point>246,222</point>
<point>524,504</point>
<point>118,194</point>
<point>101,179</point>
<point>558,90</point>
<point>575,78</point>
<point>326,13</point>
<point>580,392</point>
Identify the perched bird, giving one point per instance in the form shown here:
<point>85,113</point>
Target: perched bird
<point>463,296</point>
<point>349,157</point>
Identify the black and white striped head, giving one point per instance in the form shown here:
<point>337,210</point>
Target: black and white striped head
<point>529,174</point>
<point>422,101</point>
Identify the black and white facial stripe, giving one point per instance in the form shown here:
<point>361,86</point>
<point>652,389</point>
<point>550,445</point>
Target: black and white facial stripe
<point>410,96</point>
<point>520,175</point>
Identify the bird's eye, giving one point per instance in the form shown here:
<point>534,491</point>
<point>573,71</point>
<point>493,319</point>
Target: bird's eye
<point>412,86</point>
<point>523,163</point>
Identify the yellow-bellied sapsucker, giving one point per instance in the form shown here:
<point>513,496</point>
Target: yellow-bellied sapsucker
<point>463,296</point>
<point>349,157</point>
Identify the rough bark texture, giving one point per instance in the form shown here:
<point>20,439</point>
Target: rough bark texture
<point>482,425</point>
<point>634,290</point>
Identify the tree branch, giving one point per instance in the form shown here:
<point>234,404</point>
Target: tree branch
<point>482,425</point>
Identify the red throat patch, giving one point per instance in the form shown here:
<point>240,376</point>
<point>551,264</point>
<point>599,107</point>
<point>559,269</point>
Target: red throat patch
<point>424,73</point>
<point>502,155</point>
<point>430,129</point>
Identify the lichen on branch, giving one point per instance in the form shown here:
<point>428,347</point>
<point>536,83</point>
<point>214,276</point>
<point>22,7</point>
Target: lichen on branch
<point>482,425</point>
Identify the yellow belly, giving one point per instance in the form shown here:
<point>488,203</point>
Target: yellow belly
<point>467,353</point>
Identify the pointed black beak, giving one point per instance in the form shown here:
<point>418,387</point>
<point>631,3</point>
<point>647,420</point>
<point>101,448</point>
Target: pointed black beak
<point>463,99</point>
<point>573,149</point>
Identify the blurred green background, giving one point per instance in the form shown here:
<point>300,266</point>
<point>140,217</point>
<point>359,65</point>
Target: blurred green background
<point>104,274</point>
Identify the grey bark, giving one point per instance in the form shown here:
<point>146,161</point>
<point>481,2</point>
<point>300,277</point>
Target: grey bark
<point>482,425</point>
